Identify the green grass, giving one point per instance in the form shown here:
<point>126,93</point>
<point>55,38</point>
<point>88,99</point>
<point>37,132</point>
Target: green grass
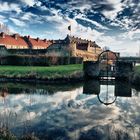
<point>40,72</point>
<point>137,69</point>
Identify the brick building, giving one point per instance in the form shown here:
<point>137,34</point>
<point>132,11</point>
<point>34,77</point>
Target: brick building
<point>13,41</point>
<point>75,47</point>
<point>70,46</point>
<point>36,43</point>
<point>16,41</point>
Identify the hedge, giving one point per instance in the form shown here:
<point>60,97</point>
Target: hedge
<point>33,60</point>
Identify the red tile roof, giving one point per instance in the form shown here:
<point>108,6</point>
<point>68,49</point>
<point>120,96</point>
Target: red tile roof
<point>17,40</point>
<point>39,43</point>
<point>11,40</point>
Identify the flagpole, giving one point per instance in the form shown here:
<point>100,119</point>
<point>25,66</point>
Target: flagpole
<point>70,28</point>
<point>70,31</point>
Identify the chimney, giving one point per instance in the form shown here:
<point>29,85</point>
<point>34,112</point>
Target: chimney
<point>37,39</point>
<point>45,40</point>
<point>28,37</point>
<point>16,36</point>
<point>3,35</point>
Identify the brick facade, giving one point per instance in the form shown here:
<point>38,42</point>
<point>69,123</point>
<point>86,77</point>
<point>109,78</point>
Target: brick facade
<point>77,47</point>
<point>70,46</point>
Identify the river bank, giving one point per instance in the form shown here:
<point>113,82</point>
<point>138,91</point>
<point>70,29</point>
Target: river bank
<point>36,74</point>
<point>52,74</point>
<point>135,76</point>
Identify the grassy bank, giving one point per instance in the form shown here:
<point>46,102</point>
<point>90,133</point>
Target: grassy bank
<point>135,78</point>
<point>137,69</point>
<point>37,72</point>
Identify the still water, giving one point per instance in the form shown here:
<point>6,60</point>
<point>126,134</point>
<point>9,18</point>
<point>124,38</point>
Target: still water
<point>94,110</point>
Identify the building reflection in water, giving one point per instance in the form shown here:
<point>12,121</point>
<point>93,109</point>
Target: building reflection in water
<point>4,92</point>
<point>91,87</point>
<point>121,89</point>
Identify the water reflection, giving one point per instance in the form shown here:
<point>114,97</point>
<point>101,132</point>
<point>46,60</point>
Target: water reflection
<point>91,87</point>
<point>71,112</point>
<point>123,89</point>
<point>120,89</point>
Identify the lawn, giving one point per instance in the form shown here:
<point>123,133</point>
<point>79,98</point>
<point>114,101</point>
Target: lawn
<point>40,72</point>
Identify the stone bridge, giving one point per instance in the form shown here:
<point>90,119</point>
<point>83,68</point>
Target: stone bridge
<point>108,65</point>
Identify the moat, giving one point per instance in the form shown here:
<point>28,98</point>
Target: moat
<point>83,111</point>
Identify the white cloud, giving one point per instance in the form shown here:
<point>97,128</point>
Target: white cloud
<point>29,2</point>
<point>126,47</point>
<point>27,16</point>
<point>83,7</point>
<point>100,26</point>
<point>31,18</point>
<point>18,22</point>
<point>131,35</point>
<point>114,24</point>
<point>2,19</point>
<point>84,32</point>
<point>80,5</point>
<point>108,41</point>
<point>57,17</point>
<point>78,30</point>
<point>134,34</point>
<point>118,7</point>
<point>5,7</point>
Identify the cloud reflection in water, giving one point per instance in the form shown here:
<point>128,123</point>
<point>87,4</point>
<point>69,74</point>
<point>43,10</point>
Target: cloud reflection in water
<point>72,114</point>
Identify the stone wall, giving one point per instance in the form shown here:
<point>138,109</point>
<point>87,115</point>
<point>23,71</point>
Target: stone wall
<point>123,69</point>
<point>91,69</point>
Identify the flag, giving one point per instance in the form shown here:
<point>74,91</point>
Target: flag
<point>69,27</point>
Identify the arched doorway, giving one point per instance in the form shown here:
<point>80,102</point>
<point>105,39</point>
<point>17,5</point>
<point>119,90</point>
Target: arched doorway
<point>107,63</point>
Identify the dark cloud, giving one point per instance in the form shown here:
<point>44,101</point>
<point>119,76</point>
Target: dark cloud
<point>72,8</point>
<point>110,18</point>
<point>38,11</point>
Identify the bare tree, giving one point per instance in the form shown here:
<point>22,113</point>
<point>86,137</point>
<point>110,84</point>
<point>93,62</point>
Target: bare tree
<point>4,28</point>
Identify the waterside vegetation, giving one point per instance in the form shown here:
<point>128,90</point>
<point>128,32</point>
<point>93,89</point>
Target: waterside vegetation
<point>135,78</point>
<point>51,74</point>
<point>27,73</point>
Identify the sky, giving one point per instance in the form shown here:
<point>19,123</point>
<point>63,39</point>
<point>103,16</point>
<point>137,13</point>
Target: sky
<point>111,23</point>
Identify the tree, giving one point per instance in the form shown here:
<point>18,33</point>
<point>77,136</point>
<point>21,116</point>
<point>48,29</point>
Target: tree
<point>4,28</point>
<point>105,48</point>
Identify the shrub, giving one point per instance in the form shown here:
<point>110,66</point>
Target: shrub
<point>42,60</point>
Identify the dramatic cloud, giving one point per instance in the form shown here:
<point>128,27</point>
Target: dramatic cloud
<point>117,7</point>
<point>110,23</point>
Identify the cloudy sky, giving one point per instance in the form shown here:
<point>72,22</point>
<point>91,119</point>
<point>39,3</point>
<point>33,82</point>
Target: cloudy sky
<point>111,23</point>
